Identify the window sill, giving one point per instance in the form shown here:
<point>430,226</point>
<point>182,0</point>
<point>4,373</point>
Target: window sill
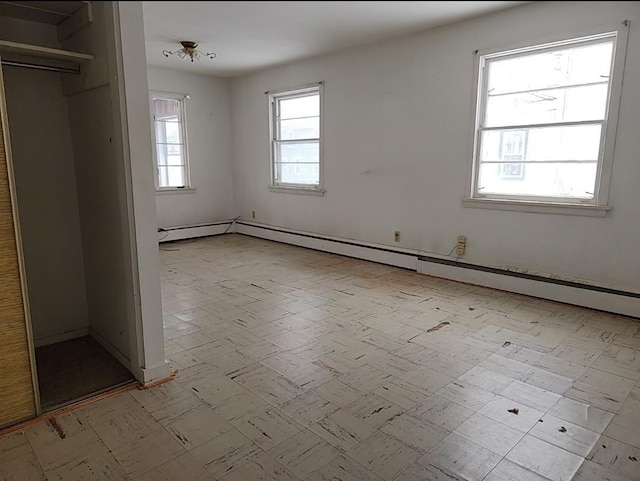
<point>297,190</point>
<point>538,207</point>
<point>175,190</point>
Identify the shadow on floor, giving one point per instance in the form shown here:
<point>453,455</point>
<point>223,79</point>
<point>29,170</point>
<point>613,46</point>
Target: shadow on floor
<point>76,369</point>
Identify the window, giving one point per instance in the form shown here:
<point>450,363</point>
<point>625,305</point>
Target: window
<point>545,122</point>
<point>170,135</point>
<point>296,139</point>
<point>513,145</point>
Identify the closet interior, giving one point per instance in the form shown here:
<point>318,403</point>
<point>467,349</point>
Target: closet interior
<point>62,245</point>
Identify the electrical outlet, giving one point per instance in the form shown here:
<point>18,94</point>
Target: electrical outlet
<point>461,246</point>
<point>253,214</point>
<point>396,236</point>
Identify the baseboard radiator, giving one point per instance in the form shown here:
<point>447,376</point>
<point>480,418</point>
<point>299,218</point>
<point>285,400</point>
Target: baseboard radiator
<point>565,291</point>
<point>168,234</point>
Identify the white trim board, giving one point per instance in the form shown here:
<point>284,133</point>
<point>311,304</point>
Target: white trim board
<point>65,336</point>
<point>189,232</point>
<point>148,375</point>
<point>345,247</point>
<point>588,296</point>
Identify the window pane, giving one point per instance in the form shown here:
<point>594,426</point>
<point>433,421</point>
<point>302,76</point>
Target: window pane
<point>577,142</point>
<point>307,174</point>
<point>294,153</point>
<point>547,106</point>
<point>565,66</point>
<point>169,132</point>
<point>170,154</point>
<point>167,110</point>
<point>305,128</point>
<point>171,176</point>
<point>543,180</point>
<point>307,106</point>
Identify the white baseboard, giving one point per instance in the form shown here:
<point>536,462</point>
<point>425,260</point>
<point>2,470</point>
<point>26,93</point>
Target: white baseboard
<point>148,375</point>
<point>594,297</point>
<point>590,296</point>
<point>143,374</point>
<point>65,336</point>
<point>335,245</point>
<point>189,232</point>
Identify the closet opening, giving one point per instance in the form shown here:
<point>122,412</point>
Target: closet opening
<point>60,129</point>
<point>71,364</point>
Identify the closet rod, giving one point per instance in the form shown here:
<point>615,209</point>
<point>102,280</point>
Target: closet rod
<point>14,63</point>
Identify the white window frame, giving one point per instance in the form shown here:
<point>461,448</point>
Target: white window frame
<point>598,206</point>
<point>180,97</point>
<point>273,97</point>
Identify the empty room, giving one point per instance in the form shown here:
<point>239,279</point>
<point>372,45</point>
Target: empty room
<point>313,241</point>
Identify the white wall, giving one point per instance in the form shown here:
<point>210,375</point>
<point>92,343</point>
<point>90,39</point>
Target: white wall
<point>129,94</point>
<point>109,114</point>
<point>397,141</point>
<point>47,200</point>
<point>209,144</point>
<point>101,191</point>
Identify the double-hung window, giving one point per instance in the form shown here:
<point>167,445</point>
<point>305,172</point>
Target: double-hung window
<point>171,145</point>
<point>296,139</point>
<point>545,122</point>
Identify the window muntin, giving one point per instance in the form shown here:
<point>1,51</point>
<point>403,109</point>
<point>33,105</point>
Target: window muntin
<point>546,107</point>
<point>171,154</point>
<point>296,134</point>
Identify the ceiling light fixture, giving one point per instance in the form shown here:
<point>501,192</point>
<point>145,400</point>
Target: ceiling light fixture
<point>189,51</point>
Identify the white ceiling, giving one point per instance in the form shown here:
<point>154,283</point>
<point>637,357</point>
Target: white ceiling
<point>248,36</point>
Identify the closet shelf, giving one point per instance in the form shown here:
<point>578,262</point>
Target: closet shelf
<point>44,52</point>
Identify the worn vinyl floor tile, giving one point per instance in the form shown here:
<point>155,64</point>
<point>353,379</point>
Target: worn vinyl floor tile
<point>342,430</point>
<point>268,428</point>
<point>601,389</point>
<point>402,393</point>
<point>147,453</point>
<point>461,457</point>
<point>62,440</point>
<point>343,468</point>
<point>226,452</point>
<point>127,427</point>
<point>18,462</point>
<point>304,453</point>
<point>415,432</point>
<point>442,412</point>
<point>418,472</point>
<point>545,459</point>
<point>374,410</point>
<point>180,468</point>
<point>260,468</point>
<point>616,456</point>
<point>298,365</point>
<point>383,455</point>
<point>466,395</point>
<point>512,413</point>
<point>308,408</point>
<point>198,426</point>
<point>509,471</point>
<point>489,434</point>
<point>581,414</point>
<point>565,435</point>
<point>590,471</point>
<point>338,393</point>
<point>486,379</point>
<point>97,466</point>
<point>531,396</point>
